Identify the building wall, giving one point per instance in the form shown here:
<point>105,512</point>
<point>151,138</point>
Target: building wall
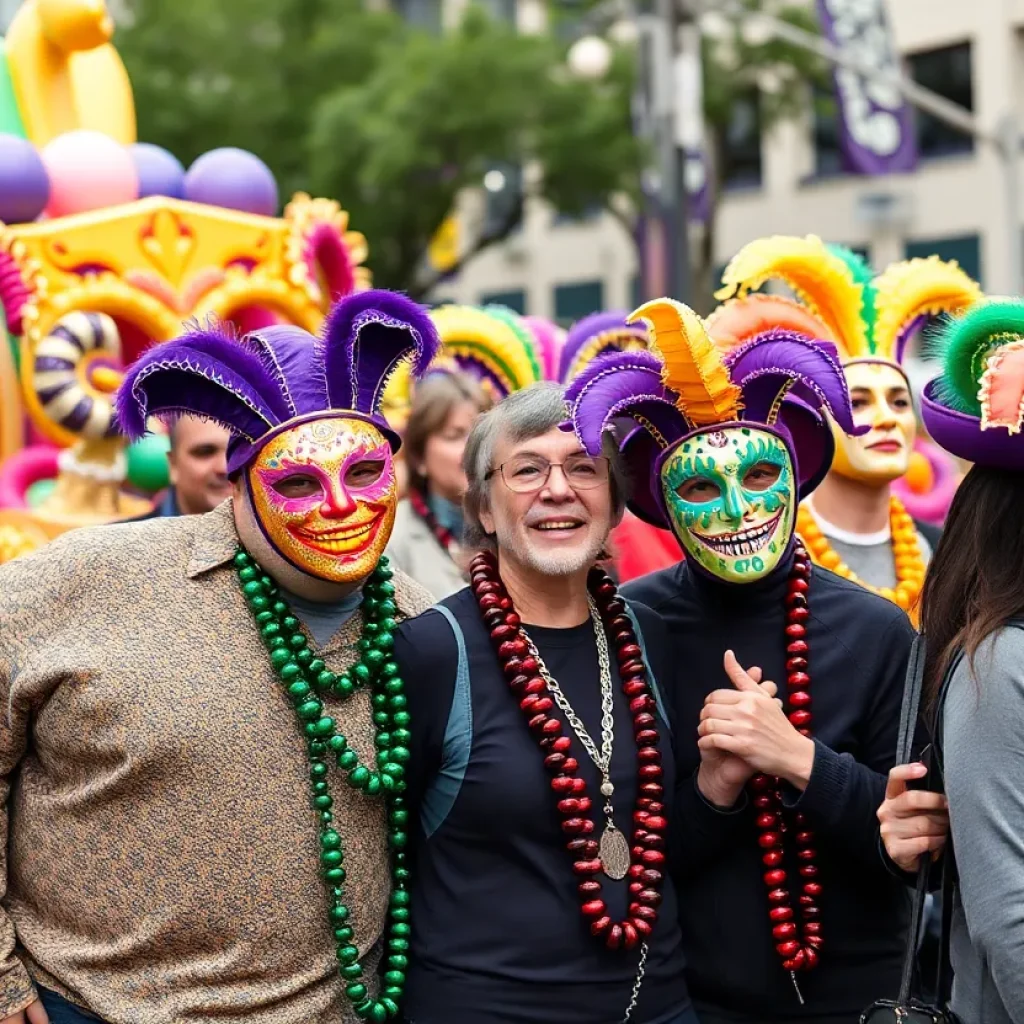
<point>949,204</point>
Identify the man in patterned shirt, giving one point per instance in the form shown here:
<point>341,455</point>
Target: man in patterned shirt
<point>183,698</point>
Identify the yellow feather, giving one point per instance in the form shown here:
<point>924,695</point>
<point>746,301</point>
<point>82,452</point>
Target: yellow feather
<point>820,279</point>
<point>692,366</point>
<point>914,288</point>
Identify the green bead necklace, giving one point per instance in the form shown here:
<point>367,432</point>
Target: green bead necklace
<point>306,680</point>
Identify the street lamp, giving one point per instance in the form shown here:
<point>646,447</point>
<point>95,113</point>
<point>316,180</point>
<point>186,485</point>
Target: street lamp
<point>590,58</point>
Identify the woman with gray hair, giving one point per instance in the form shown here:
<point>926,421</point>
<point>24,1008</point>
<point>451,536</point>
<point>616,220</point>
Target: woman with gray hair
<point>543,783</point>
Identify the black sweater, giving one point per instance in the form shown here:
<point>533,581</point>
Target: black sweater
<point>859,647</point>
<point>498,937</point>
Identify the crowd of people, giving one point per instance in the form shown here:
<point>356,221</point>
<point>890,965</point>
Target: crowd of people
<point>575,701</point>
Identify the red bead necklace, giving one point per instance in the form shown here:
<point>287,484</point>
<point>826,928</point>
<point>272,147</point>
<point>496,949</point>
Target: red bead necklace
<point>442,535</point>
<point>647,855</point>
<point>796,944</point>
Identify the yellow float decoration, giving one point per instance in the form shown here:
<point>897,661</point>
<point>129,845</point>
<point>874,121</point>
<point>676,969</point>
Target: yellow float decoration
<point>84,295</point>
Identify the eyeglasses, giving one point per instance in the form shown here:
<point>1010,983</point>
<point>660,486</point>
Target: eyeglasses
<point>527,473</point>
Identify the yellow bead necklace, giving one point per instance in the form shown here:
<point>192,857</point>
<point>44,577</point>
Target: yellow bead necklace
<point>910,565</point>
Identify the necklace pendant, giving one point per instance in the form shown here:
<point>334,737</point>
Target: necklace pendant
<point>614,853</point>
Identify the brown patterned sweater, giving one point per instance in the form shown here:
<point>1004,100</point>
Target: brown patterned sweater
<point>162,856</point>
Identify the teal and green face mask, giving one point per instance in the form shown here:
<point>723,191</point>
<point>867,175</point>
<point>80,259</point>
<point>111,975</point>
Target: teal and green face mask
<point>731,494</point>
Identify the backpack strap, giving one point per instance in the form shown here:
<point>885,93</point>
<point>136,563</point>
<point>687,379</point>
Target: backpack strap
<point>443,790</point>
<point>652,682</point>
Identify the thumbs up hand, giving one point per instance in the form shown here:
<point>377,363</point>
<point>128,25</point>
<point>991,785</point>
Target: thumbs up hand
<point>748,722</point>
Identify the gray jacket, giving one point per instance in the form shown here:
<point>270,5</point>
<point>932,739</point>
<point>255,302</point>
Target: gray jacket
<point>983,745</point>
<point>416,551</point>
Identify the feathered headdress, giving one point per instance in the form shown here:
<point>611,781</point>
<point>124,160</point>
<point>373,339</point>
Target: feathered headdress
<point>867,317</point>
<point>596,334</point>
<point>491,343</point>
<point>548,340</point>
<point>272,379</point>
<point>781,382</point>
<point>975,407</point>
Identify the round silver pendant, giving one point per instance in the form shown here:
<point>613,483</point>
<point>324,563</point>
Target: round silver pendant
<point>614,853</point>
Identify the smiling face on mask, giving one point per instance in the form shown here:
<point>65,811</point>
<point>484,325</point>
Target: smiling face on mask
<point>881,400</point>
<point>324,493</point>
<point>731,494</point>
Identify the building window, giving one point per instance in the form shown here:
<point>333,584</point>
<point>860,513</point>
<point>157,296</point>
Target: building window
<point>425,14</point>
<point>516,301</point>
<point>828,156</point>
<point>966,250</point>
<point>573,301</point>
<point>947,72</point>
<point>587,216</point>
<point>741,144</point>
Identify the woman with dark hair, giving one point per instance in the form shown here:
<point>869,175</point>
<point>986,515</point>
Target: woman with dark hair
<point>973,618</point>
<point>428,523</point>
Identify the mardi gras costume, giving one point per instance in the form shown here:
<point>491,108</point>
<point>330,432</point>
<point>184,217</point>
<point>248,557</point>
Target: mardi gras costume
<point>494,347</point>
<point>268,754</point>
<point>637,548</point>
<point>870,319</point>
<point>721,450</point>
<point>974,409</point>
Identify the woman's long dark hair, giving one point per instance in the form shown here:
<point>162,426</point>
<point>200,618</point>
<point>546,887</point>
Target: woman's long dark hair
<point>975,582</point>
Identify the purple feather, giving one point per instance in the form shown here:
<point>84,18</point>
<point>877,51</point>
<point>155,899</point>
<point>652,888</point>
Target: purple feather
<point>807,368</point>
<point>291,356</point>
<point>206,374</point>
<point>623,384</point>
<point>583,331</point>
<point>365,338</point>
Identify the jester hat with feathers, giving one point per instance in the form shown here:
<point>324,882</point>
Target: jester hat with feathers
<point>651,402</point>
<point>491,344</point>
<point>272,379</point>
<point>839,299</point>
<point>595,335</point>
<point>975,407</point>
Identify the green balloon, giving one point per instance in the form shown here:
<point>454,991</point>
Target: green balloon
<point>147,463</point>
<point>38,492</point>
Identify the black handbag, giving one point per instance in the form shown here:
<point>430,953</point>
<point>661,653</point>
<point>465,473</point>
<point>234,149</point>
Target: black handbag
<point>906,1009</point>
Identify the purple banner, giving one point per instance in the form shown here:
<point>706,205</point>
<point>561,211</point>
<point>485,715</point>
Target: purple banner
<point>876,125</point>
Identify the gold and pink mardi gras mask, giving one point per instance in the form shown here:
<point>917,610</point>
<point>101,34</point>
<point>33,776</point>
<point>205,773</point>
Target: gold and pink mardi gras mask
<point>308,437</point>
<point>325,494</point>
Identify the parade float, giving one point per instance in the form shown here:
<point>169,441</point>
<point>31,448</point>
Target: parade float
<point>107,246</point>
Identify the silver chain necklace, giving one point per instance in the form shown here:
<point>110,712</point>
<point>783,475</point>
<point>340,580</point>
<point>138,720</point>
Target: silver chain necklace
<point>613,849</point>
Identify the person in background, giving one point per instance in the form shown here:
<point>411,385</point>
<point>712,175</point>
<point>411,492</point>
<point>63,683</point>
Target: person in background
<point>795,915</point>
<point>973,687</point>
<point>198,467</point>
<point>544,788</point>
<point>426,540</point>
<point>854,524</point>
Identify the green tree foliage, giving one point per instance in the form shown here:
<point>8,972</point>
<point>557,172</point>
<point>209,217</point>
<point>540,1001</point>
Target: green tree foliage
<point>392,121</point>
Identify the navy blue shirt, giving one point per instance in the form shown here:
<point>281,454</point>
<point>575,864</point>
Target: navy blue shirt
<point>498,936</point>
<point>859,647</point>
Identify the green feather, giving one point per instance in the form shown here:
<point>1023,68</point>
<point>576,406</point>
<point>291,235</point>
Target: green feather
<point>965,345</point>
<point>864,276</point>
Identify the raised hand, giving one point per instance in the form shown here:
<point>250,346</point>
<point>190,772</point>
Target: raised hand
<point>914,821</point>
<point>749,723</point>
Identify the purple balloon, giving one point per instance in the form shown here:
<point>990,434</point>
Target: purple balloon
<point>234,179</point>
<point>160,172</point>
<point>24,183</point>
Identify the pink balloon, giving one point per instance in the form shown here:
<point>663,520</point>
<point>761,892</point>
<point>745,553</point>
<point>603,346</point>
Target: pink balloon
<point>88,171</point>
